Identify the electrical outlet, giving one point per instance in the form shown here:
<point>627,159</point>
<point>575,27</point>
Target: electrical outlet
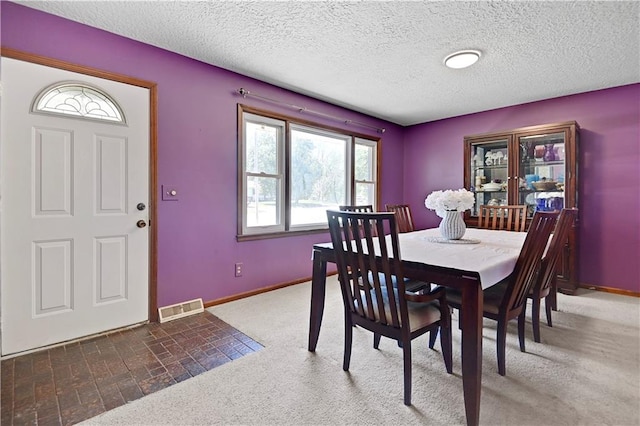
<point>238,269</point>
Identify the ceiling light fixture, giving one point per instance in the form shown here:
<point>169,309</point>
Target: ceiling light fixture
<point>462,59</point>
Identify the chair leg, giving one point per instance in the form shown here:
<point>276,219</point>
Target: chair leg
<point>406,352</point>
<point>548,305</point>
<point>376,340</point>
<point>535,318</point>
<point>446,345</point>
<point>521,322</point>
<point>433,335</point>
<point>348,338</point>
<point>553,295</point>
<point>501,340</point>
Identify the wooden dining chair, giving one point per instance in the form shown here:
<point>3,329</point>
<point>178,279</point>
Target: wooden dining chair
<point>361,208</point>
<point>507,299</point>
<point>377,304</point>
<point>403,216</point>
<point>508,218</point>
<point>369,208</point>
<point>544,286</point>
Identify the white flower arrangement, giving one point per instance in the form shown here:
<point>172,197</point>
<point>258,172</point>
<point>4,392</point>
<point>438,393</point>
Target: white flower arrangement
<point>441,201</point>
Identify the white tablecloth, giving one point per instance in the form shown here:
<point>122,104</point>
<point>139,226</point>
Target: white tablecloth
<point>493,258</point>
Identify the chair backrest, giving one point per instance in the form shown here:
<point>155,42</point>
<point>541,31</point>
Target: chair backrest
<point>363,208</point>
<point>529,261</point>
<point>403,216</point>
<point>366,265</point>
<point>507,218</point>
<point>548,269</point>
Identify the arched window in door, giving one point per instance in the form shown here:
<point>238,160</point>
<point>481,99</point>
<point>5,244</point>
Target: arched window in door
<point>78,100</point>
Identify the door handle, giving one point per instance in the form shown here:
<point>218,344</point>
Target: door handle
<point>141,224</point>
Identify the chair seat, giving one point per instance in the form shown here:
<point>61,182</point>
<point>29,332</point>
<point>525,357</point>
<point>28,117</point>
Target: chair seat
<point>410,285</point>
<point>543,292</point>
<point>420,314</point>
<point>394,281</point>
<point>492,297</point>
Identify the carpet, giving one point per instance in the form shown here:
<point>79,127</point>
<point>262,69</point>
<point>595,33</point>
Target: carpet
<point>585,371</point>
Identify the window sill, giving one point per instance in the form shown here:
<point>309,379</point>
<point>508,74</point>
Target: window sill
<point>253,237</point>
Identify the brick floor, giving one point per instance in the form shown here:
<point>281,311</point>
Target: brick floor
<point>71,383</point>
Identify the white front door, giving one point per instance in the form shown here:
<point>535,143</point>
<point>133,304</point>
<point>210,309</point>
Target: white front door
<point>73,260</point>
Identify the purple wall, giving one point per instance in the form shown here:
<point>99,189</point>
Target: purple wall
<point>197,154</point>
<point>609,174</point>
<point>197,127</point>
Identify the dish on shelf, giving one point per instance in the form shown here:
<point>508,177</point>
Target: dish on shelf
<point>544,185</point>
<point>491,186</point>
<point>530,199</point>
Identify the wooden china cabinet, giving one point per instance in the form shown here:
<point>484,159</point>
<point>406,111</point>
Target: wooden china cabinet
<point>536,166</point>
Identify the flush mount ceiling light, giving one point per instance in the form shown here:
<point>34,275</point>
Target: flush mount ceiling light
<point>462,59</point>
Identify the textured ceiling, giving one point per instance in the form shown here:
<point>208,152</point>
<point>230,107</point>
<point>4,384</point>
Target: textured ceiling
<point>385,58</point>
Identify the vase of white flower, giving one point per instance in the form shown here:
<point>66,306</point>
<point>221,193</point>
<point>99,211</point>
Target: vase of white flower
<point>452,226</point>
<point>448,205</point>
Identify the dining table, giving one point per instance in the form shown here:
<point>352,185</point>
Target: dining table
<point>471,264</point>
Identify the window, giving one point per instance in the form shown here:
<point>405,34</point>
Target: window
<point>365,172</point>
<point>291,172</point>
<point>263,184</point>
<point>78,100</point>
<point>318,170</point>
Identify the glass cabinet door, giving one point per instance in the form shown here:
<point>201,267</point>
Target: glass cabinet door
<point>536,166</point>
<point>489,172</point>
<point>541,172</point>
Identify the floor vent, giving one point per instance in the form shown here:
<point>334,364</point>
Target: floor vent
<point>180,310</point>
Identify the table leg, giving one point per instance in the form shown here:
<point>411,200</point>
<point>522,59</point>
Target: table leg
<point>318,287</point>
<point>472,301</point>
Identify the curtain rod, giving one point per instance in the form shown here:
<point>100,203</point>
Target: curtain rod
<point>245,93</point>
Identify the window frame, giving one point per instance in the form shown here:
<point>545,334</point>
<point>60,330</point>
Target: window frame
<point>374,173</point>
<point>286,228</point>
<point>279,175</point>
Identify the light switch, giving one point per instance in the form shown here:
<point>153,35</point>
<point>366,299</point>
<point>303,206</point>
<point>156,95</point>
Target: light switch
<point>169,193</point>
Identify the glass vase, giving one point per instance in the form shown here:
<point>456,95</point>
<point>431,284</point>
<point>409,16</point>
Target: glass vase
<point>548,153</point>
<point>452,226</point>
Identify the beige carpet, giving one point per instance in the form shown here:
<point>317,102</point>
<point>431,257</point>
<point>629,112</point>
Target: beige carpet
<point>586,371</point>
